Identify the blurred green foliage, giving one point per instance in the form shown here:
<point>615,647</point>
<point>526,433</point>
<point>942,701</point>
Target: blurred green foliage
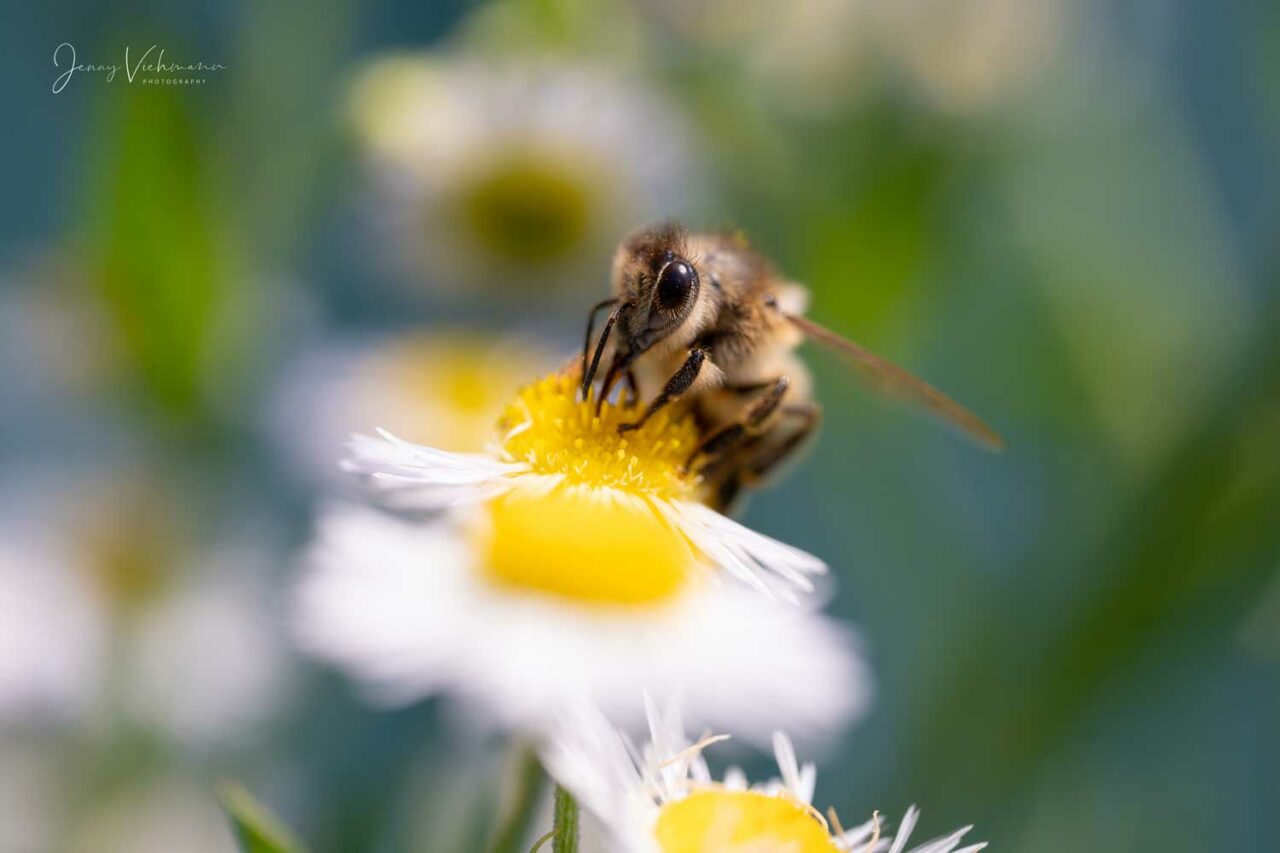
<point>156,243</point>
<point>256,829</point>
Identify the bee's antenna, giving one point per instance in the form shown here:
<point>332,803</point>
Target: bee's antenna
<point>589,374</point>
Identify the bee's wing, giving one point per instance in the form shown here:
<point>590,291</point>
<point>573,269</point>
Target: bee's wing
<point>897,382</point>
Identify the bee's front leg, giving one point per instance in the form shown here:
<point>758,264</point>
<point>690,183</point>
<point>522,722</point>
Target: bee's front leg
<point>679,382</point>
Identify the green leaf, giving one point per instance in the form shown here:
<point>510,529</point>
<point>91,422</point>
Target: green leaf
<point>257,830</point>
<point>154,245</point>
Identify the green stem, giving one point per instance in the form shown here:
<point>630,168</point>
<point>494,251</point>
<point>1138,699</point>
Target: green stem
<point>565,825</point>
<point>530,782</point>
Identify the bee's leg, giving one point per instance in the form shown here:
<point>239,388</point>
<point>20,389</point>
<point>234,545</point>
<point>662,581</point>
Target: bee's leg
<point>771,455</point>
<point>747,388</point>
<point>727,493</point>
<point>676,385</point>
<point>610,377</point>
<point>725,439</point>
<point>591,326</point>
<point>633,387</point>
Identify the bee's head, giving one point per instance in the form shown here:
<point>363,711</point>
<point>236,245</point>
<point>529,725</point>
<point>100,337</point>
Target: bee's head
<point>658,285</point>
<point>656,288</point>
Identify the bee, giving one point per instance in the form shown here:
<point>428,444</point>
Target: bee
<point>703,321</point>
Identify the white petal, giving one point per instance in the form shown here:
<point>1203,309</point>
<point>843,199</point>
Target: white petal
<point>418,477</point>
<point>735,779</point>
<point>403,608</point>
<point>785,753</point>
<point>946,843</point>
<point>901,837</point>
<point>808,781</point>
<point>764,563</point>
<point>851,838</point>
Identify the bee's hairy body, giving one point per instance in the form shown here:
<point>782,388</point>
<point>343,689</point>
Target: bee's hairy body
<point>702,321</point>
<point>733,326</point>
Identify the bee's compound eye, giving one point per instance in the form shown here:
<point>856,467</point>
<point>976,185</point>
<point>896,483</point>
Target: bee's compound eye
<point>676,284</point>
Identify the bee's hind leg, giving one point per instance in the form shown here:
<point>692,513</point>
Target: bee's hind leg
<point>729,437</point>
<point>772,455</point>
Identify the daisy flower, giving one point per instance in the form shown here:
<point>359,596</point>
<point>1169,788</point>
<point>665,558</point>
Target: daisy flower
<point>515,174</point>
<point>445,390</point>
<point>138,610</point>
<point>662,798</point>
<point>961,56</point>
<point>570,561</point>
<point>966,56</point>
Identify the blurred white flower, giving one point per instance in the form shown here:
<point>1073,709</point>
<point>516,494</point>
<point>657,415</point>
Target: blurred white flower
<point>817,55</point>
<point>106,614</point>
<point>52,633</point>
<point>572,562</point>
<point>442,389</point>
<point>56,341</point>
<point>496,175</point>
<point>965,55</point>
<point>207,658</point>
<point>661,797</point>
<point>804,55</point>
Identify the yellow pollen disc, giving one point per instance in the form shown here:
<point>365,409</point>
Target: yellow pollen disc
<point>576,544</point>
<point>555,433</point>
<point>719,821</point>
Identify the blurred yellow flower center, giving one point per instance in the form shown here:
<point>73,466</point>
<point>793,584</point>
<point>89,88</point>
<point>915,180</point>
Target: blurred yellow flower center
<point>126,549</point>
<point>529,208</point>
<point>576,543</point>
<point>719,821</point>
<point>555,433</point>
<point>458,386</point>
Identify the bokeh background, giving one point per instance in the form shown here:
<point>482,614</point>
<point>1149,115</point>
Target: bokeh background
<point>1067,214</point>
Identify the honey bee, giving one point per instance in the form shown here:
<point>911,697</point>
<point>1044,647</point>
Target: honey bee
<point>704,321</point>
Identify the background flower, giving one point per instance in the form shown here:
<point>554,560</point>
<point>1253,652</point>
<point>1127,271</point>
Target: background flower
<point>444,388</point>
<point>517,174</point>
<point>112,604</point>
<point>660,796</point>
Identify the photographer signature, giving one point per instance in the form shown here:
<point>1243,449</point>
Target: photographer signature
<point>65,56</point>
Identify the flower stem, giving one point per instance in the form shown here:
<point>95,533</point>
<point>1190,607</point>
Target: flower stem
<point>565,824</point>
<point>530,783</point>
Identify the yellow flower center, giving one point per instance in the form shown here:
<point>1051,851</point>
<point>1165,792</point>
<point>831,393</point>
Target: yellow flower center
<point>575,544</point>
<point>594,536</point>
<point>718,821</point>
<point>555,433</point>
